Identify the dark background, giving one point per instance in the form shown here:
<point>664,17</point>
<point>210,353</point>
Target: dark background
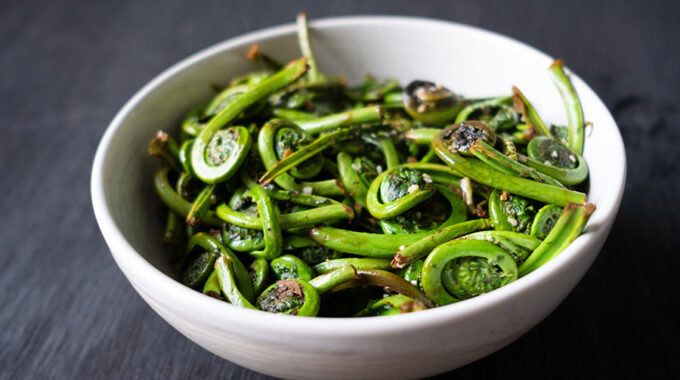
<point>66,67</point>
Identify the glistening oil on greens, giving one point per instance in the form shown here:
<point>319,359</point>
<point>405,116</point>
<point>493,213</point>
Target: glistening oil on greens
<point>292,193</point>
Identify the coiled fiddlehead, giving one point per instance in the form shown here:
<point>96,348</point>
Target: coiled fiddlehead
<point>215,165</point>
<point>462,269</point>
<point>460,137</point>
<point>400,189</point>
<point>291,267</point>
<point>266,147</point>
<point>510,212</point>
<point>299,297</point>
<point>431,103</point>
<point>444,209</point>
<point>552,158</point>
<point>545,220</point>
<point>497,113</point>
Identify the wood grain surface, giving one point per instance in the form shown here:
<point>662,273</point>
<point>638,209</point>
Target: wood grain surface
<point>66,67</point>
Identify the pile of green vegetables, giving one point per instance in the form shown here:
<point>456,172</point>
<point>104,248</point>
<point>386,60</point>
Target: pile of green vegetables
<point>292,193</point>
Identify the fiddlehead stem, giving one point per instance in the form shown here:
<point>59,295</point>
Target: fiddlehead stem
<point>259,274</point>
<point>444,209</point>
<point>422,136</point>
<point>227,279</point>
<point>293,220</point>
<point>165,147</point>
<point>387,280</point>
<point>172,234</point>
<point>390,152</point>
<point>522,240</point>
<point>350,178</point>
<point>201,206</point>
<point>240,277</point>
<point>184,156</point>
<point>575,120</point>
<point>501,162</point>
<point>531,117</point>
<point>273,241</point>
<point>423,246</point>
<point>357,262</point>
<point>193,122</point>
<point>306,47</point>
<point>567,229</point>
<point>365,115</point>
<point>293,160</point>
<point>392,305</point>
<point>175,202</point>
<point>212,286</point>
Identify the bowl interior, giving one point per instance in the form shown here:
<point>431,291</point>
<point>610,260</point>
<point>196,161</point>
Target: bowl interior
<point>467,60</point>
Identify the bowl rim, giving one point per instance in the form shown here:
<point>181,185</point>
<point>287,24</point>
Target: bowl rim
<point>222,315</point>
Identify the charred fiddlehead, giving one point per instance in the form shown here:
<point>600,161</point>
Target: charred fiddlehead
<point>431,103</point>
<point>300,297</point>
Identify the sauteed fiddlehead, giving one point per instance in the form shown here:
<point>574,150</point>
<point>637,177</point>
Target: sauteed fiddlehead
<point>288,186</point>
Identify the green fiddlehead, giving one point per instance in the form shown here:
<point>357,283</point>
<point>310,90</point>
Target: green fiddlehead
<point>291,267</point>
<point>462,269</point>
<point>299,297</point>
<point>444,209</point>
<point>552,158</point>
<point>399,190</point>
<point>266,146</point>
<point>497,113</point>
<point>215,166</point>
<point>510,212</point>
<point>545,220</point>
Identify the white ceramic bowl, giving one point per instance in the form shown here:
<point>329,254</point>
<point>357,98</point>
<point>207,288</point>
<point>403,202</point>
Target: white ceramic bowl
<point>468,60</point>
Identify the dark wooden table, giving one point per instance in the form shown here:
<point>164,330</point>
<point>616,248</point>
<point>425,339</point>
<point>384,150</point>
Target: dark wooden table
<point>66,67</point>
